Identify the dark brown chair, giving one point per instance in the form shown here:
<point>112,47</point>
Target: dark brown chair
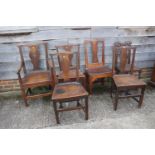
<point>68,91</point>
<point>33,58</point>
<point>126,58</point>
<point>123,83</point>
<point>152,82</point>
<point>72,73</point>
<point>95,69</point>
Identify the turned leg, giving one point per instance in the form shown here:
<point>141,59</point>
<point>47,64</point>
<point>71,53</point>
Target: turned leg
<point>86,108</point>
<point>56,112</point>
<point>141,98</point>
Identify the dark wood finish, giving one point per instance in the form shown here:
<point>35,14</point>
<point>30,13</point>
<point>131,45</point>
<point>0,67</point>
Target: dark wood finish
<point>72,73</point>
<point>95,69</point>
<point>123,83</point>
<point>68,91</point>
<point>125,59</point>
<point>36,77</point>
<point>153,75</point>
<point>152,82</point>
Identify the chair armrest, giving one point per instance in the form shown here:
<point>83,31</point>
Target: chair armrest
<point>20,68</point>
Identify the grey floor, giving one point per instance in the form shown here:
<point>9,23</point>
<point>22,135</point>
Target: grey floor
<point>40,114</point>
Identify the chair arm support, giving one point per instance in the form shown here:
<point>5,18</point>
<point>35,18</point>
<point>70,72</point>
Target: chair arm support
<point>20,68</point>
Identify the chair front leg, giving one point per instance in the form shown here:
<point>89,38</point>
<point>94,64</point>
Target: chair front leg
<point>56,112</point>
<point>112,87</point>
<point>22,89</point>
<point>86,108</point>
<point>116,99</point>
<point>141,97</point>
<point>24,96</point>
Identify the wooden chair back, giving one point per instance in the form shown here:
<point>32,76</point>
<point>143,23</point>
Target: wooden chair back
<point>32,53</point>
<point>64,64</point>
<point>95,45</point>
<point>69,48</point>
<point>119,44</point>
<point>122,56</point>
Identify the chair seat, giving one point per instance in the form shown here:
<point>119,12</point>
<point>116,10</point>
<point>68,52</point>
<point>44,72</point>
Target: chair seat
<point>127,68</point>
<point>36,78</point>
<point>102,70</point>
<point>126,81</point>
<point>68,90</point>
<point>99,70</point>
<point>72,74</point>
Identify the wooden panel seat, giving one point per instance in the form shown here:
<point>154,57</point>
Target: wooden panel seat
<point>99,70</point>
<point>127,81</point>
<point>41,77</point>
<point>68,90</point>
